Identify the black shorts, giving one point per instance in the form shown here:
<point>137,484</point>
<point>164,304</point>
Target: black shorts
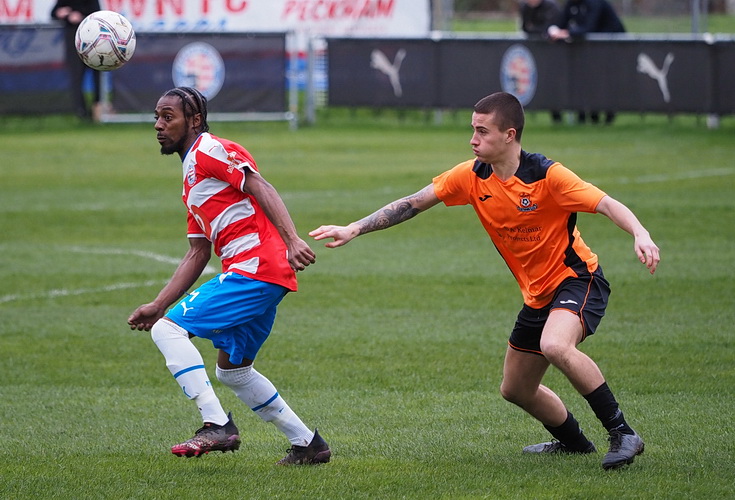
<point>586,296</point>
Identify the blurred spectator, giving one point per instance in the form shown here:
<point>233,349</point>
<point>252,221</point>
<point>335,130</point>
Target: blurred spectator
<point>580,17</point>
<point>71,13</point>
<point>536,17</point>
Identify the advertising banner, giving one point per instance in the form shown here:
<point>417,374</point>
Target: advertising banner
<point>317,17</point>
<point>33,78</point>
<point>237,73</point>
<point>665,76</point>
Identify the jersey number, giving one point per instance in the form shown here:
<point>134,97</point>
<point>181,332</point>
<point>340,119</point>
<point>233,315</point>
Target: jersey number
<point>202,221</point>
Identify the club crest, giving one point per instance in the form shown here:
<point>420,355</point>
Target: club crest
<point>199,65</point>
<point>525,204</point>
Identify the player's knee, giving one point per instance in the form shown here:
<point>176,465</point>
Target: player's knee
<point>164,329</point>
<point>519,394</point>
<point>509,393</point>
<point>556,353</point>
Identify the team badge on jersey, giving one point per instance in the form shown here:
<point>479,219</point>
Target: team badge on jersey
<point>525,204</point>
<point>518,74</point>
<point>191,175</point>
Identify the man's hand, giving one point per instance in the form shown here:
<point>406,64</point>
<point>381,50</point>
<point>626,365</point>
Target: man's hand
<point>144,317</point>
<point>300,255</point>
<point>647,251</point>
<point>75,17</point>
<point>393,213</point>
<point>341,234</point>
<point>555,33</point>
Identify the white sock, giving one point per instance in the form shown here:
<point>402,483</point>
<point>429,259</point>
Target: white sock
<point>261,396</point>
<point>187,366</point>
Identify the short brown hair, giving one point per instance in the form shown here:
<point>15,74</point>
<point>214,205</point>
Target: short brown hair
<point>507,110</point>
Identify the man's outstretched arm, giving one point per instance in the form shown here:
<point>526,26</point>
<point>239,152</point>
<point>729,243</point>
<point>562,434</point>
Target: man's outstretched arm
<point>394,213</point>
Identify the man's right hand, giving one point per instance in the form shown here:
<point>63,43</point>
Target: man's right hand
<point>341,234</point>
<point>144,317</point>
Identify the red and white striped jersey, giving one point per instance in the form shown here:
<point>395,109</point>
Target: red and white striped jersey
<point>242,235</point>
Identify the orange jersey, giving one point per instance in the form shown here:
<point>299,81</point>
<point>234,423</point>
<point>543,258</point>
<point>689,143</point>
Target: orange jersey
<point>531,219</point>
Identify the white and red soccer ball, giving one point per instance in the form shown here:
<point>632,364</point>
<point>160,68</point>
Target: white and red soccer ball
<point>105,40</point>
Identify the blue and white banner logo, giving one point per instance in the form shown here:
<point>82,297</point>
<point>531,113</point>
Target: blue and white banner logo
<point>199,65</point>
<point>518,75</point>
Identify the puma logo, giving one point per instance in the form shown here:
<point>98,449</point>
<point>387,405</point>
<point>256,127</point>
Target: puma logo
<point>648,67</point>
<point>379,61</point>
<point>186,309</point>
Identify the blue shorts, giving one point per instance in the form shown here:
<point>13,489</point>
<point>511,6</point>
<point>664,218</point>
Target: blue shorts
<point>233,311</point>
<point>586,296</point>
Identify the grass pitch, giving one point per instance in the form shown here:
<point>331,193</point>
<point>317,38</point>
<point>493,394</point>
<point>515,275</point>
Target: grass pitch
<point>393,347</point>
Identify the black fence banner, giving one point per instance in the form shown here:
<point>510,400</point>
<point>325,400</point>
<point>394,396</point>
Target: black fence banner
<point>621,73</point>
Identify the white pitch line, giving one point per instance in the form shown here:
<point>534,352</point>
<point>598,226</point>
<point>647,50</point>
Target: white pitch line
<point>61,292</point>
<point>676,176</point>
<point>644,179</point>
<point>692,174</point>
<point>679,176</point>
<point>138,253</point>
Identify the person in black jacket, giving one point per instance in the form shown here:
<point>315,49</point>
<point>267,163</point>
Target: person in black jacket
<point>536,17</point>
<point>71,13</point>
<point>580,17</point>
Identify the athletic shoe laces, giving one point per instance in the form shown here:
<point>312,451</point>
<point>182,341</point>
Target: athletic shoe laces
<point>616,441</point>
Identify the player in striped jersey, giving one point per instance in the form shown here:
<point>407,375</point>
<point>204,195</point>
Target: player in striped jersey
<point>234,211</point>
<point>528,205</point>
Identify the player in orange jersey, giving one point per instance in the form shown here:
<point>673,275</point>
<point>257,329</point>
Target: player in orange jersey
<point>528,205</point>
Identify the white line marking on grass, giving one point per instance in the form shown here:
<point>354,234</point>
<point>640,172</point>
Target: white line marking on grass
<point>681,176</point>
<point>138,253</point>
<point>50,294</point>
<point>40,206</point>
<point>677,176</point>
<point>390,190</point>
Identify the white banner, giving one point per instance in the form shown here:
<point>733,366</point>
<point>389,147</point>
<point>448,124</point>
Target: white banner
<point>398,18</point>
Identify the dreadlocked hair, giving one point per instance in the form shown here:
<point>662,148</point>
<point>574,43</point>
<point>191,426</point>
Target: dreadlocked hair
<point>193,102</point>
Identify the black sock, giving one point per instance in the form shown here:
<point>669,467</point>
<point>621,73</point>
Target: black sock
<point>603,403</point>
<point>570,434</point>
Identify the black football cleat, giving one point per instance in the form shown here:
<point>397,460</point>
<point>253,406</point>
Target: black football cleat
<point>623,450</point>
<point>317,452</point>
<point>211,437</point>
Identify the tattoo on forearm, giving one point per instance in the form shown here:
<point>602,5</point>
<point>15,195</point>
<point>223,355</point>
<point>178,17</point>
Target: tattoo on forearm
<point>388,216</point>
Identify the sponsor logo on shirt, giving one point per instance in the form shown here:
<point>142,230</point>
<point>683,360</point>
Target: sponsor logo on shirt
<point>232,162</point>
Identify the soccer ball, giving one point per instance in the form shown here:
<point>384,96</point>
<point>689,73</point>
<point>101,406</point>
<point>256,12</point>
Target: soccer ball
<point>105,40</point>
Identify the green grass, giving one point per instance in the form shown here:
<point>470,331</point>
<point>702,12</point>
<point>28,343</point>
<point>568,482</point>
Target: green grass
<point>713,23</point>
<point>393,347</point>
